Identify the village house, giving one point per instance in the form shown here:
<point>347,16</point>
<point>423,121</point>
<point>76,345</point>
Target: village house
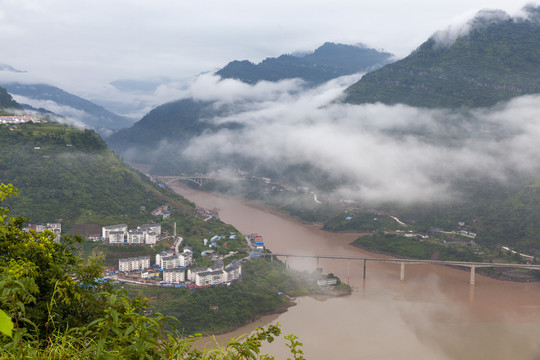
<point>154,274</point>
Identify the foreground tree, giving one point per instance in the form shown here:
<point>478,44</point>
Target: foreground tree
<point>55,305</point>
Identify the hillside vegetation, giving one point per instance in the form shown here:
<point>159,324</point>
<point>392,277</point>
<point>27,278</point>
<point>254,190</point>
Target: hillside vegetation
<point>7,103</point>
<point>495,61</point>
<point>54,305</point>
<point>69,174</point>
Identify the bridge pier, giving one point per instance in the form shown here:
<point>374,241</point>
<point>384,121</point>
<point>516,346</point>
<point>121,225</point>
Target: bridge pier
<point>349,272</point>
<point>364,274</point>
<point>473,275</point>
<point>402,273</point>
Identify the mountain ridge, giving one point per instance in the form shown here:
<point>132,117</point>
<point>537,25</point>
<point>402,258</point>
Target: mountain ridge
<point>328,61</point>
<point>93,115</point>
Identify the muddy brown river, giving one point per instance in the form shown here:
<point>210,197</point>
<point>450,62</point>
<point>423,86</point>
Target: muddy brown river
<point>433,314</point>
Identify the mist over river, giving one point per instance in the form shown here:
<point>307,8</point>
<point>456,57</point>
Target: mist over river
<point>433,314</point>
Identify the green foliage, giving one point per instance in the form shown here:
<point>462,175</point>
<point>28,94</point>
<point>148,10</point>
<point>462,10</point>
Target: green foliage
<point>414,248</point>
<point>361,221</point>
<point>494,62</point>
<point>6,326</point>
<point>7,102</point>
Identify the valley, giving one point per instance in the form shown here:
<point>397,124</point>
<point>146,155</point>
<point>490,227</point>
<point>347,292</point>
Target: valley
<point>141,203</point>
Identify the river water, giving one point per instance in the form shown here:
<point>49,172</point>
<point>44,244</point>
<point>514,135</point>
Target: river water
<point>433,314</point>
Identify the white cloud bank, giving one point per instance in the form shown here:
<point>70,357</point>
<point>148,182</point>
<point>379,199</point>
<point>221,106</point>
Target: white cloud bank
<point>385,152</point>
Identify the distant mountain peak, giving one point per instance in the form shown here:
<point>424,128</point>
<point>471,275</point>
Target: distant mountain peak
<point>5,67</point>
<point>328,61</point>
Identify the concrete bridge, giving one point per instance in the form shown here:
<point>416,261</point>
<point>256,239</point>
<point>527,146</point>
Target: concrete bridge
<point>471,265</point>
<point>200,180</point>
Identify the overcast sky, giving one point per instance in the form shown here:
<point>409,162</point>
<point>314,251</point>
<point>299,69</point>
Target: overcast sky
<point>83,45</point>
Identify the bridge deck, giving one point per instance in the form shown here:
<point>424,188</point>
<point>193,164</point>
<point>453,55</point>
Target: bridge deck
<point>471,265</point>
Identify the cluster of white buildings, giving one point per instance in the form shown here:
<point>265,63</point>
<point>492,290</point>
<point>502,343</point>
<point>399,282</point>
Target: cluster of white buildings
<point>119,234</point>
<point>19,119</point>
<point>175,269</point>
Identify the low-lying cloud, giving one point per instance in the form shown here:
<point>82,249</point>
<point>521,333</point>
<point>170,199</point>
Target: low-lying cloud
<point>383,152</point>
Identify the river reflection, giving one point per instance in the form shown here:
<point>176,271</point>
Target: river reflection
<point>433,314</point>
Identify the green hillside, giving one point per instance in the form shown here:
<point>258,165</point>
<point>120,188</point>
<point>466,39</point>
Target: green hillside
<point>496,61</point>
<point>7,102</point>
<point>69,174</point>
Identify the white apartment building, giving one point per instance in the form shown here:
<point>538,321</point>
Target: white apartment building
<point>186,257</point>
<point>162,255</point>
<point>151,233</point>
<point>216,274</point>
<point>233,271</point>
<point>205,278</point>
<point>174,275</point>
<point>116,237</point>
<point>134,263</point>
<point>106,230</point>
<point>135,237</point>
<point>150,238</point>
<point>170,262</point>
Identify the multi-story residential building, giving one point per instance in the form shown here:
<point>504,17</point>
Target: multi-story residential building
<point>215,274</point>
<point>233,271</point>
<point>134,263</point>
<point>206,278</point>
<point>186,257</point>
<point>150,238</point>
<point>174,275</point>
<point>162,255</point>
<point>151,232</point>
<point>116,237</point>
<point>106,230</point>
<point>135,237</point>
<point>170,262</point>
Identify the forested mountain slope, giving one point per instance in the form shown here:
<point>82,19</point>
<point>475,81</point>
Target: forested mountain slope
<point>69,174</point>
<point>496,60</point>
